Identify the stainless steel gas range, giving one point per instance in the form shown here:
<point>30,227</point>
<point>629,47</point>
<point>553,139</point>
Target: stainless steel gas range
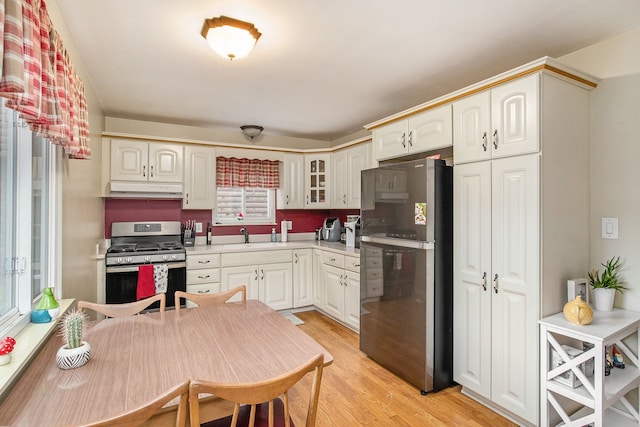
<point>135,244</point>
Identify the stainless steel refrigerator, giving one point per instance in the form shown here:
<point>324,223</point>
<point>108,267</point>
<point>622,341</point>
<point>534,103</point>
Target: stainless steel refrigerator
<point>406,271</point>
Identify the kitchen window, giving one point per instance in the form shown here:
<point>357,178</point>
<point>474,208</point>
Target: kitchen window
<point>245,205</point>
<point>28,226</point>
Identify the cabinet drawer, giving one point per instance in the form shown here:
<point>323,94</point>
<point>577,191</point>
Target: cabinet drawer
<point>203,261</point>
<point>374,288</point>
<point>255,258</point>
<point>374,262</point>
<point>206,289</point>
<point>333,259</point>
<point>205,275</point>
<point>374,274</point>
<point>352,263</point>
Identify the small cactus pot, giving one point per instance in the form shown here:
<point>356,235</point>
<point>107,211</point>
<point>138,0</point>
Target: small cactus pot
<point>69,358</point>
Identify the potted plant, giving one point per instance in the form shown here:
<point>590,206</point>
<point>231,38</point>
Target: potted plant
<point>6,347</point>
<point>75,352</point>
<point>606,285</point>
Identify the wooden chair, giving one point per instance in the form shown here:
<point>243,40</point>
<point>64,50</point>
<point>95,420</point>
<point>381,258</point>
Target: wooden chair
<point>210,299</point>
<point>123,310</point>
<point>259,403</point>
<point>139,415</point>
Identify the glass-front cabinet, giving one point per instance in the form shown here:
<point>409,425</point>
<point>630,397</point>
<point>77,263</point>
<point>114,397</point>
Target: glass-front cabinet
<point>317,181</point>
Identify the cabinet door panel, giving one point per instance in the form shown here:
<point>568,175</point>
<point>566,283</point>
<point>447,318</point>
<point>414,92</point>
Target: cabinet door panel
<point>276,285</point>
<point>339,179</point>
<point>390,140</point>
<point>472,269</point>
<point>302,277</point>
<point>318,280</point>
<point>165,162</point>
<point>236,276</point>
<point>516,260</point>
<point>129,160</point>
<point>430,130</point>
<point>514,116</point>
<point>352,299</point>
<point>357,160</point>
<point>334,291</point>
<point>472,128</point>
<point>199,178</point>
<point>291,191</point>
<point>317,181</point>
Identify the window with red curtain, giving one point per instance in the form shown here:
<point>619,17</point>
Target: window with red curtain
<point>246,190</point>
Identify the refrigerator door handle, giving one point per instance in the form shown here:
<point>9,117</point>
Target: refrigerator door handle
<point>405,243</point>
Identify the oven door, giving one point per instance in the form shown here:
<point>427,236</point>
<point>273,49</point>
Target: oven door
<point>122,281</point>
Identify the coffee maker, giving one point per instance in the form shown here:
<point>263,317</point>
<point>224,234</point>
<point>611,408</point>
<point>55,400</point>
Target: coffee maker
<point>352,229</point>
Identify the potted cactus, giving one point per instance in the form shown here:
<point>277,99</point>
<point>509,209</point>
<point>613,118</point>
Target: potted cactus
<point>75,352</point>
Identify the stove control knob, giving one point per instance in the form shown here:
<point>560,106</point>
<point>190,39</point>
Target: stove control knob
<point>174,257</point>
<point>129,259</point>
<point>118,260</point>
<point>165,257</point>
<point>147,258</point>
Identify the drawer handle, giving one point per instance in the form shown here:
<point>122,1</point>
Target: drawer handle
<point>204,292</point>
<point>332,259</point>
<point>261,274</point>
<point>356,265</point>
<point>204,277</point>
<point>205,262</point>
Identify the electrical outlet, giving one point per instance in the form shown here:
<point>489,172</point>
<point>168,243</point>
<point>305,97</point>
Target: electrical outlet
<point>198,227</point>
<point>289,225</point>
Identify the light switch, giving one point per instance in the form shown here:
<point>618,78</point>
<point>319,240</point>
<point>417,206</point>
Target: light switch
<point>609,228</point>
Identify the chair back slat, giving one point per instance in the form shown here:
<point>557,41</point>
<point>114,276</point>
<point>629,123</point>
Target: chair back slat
<point>123,310</point>
<point>210,299</point>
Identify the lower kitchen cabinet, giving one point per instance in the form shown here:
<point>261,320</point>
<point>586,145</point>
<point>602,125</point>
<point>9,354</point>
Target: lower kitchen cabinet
<point>302,278</point>
<point>270,281</point>
<point>341,280</point>
<point>203,274</point>
<point>319,297</point>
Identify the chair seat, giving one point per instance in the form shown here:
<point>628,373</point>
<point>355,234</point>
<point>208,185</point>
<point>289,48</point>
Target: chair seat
<point>262,416</point>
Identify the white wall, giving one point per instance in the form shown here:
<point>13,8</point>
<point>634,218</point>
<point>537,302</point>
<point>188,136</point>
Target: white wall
<point>615,153</point>
<point>82,207</point>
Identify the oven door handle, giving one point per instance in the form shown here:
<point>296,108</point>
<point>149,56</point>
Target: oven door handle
<point>118,269</point>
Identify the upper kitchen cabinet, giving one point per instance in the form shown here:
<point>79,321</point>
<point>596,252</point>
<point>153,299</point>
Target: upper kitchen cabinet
<point>146,162</point>
<point>199,177</point>
<point>346,166</point>
<point>317,181</point>
<point>500,122</point>
<point>290,195</point>
<point>421,132</point>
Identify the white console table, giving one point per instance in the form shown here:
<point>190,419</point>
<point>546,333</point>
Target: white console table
<point>598,393</point>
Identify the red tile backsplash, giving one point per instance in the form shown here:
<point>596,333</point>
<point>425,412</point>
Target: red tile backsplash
<point>119,210</point>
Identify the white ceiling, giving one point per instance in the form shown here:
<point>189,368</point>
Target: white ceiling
<point>322,69</point>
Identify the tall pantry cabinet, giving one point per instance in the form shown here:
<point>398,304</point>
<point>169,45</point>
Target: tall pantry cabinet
<point>521,227</point>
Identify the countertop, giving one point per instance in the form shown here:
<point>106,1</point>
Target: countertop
<point>336,247</point>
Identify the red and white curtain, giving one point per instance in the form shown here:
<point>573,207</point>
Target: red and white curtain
<point>255,173</point>
<point>37,77</point>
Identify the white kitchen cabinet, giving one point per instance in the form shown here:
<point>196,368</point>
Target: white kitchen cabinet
<point>341,275</point>
<point>199,177</point>
<point>268,276</point>
<point>319,291</point>
<point>290,195</point>
<point>429,130</point>
<point>512,216</point>
<point>597,393</point>
<point>302,277</point>
<point>146,161</point>
<point>500,122</point>
<point>203,274</point>
<point>317,182</point>
<point>346,166</point>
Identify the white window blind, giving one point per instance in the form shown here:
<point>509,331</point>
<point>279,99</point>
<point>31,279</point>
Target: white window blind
<point>246,205</point>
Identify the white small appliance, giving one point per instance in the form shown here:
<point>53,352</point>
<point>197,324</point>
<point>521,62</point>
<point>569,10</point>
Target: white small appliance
<point>352,229</point>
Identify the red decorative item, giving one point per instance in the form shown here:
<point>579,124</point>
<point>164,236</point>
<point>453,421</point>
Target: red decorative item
<point>6,347</point>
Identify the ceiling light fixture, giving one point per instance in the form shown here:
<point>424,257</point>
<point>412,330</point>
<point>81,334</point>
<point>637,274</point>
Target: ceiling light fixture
<point>230,38</point>
<point>252,131</point>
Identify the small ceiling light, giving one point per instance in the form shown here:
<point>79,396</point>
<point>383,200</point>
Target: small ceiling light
<point>230,38</point>
<point>252,131</point>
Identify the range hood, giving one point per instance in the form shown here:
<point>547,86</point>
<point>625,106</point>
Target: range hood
<point>156,190</point>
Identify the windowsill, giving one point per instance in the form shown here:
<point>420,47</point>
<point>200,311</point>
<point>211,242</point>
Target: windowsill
<point>28,343</point>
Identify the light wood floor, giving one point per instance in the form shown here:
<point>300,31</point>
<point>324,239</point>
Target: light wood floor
<point>356,391</point>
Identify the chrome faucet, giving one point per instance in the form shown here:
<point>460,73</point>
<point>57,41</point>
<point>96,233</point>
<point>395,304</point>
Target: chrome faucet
<point>245,232</point>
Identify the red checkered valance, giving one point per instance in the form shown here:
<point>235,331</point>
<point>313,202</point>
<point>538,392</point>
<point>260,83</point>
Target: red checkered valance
<point>37,77</point>
<point>255,173</point>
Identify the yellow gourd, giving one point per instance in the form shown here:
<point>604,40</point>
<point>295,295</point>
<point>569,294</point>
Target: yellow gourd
<point>578,312</point>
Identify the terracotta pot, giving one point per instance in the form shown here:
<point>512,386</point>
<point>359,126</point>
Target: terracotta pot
<point>578,312</point>
<point>69,358</point>
<point>603,298</point>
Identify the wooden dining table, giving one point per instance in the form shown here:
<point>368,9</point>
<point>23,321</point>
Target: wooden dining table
<point>134,359</point>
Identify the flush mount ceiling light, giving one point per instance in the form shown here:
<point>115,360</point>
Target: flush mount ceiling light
<point>252,130</point>
<point>230,38</point>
